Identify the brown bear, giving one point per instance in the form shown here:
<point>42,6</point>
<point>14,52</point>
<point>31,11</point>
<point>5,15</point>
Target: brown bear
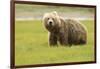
<point>64,31</point>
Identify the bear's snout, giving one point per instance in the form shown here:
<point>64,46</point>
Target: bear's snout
<point>50,23</point>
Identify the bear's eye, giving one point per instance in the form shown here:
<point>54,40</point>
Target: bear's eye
<point>48,18</point>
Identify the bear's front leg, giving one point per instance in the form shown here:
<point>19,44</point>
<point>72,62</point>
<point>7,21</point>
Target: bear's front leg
<point>52,39</point>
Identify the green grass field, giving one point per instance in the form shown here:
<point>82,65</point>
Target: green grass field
<point>31,45</point>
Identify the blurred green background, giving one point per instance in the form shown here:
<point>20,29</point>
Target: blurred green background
<point>24,11</point>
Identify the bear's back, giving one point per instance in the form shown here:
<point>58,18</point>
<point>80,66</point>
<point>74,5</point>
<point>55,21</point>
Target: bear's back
<point>76,32</point>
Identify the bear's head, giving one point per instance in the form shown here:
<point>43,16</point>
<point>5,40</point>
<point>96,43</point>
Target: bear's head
<point>51,21</point>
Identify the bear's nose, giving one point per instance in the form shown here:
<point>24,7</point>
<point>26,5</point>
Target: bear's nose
<point>50,23</point>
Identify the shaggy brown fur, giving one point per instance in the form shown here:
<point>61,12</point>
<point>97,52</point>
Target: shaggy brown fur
<point>67,32</point>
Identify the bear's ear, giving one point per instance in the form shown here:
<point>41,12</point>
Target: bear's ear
<point>54,12</point>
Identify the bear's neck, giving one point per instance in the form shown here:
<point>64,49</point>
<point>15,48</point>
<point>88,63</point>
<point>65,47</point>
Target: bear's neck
<point>55,30</point>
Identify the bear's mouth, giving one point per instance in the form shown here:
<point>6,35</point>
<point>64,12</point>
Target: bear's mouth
<point>50,27</point>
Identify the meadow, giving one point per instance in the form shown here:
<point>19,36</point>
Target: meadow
<point>31,45</point>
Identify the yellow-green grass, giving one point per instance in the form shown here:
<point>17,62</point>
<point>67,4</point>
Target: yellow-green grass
<point>31,45</point>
